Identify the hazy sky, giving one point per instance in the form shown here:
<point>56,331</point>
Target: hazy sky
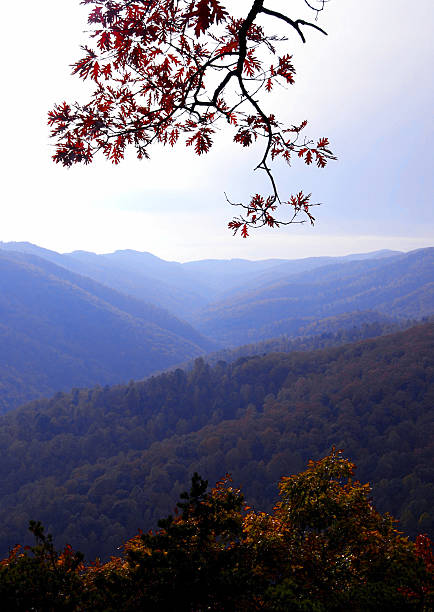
<point>368,86</point>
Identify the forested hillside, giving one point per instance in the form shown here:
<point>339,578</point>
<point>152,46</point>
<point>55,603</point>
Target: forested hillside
<point>323,333</point>
<point>323,547</point>
<point>59,330</point>
<point>397,286</point>
<point>95,465</point>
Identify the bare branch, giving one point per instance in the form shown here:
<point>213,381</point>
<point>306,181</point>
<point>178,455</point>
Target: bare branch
<point>295,24</point>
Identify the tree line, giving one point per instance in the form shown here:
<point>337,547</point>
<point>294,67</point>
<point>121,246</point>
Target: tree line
<point>323,547</point>
<point>96,464</point>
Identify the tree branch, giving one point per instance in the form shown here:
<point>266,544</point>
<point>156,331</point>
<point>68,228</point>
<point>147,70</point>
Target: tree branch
<point>295,24</point>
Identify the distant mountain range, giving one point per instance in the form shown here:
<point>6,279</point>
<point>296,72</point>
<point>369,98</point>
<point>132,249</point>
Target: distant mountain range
<point>140,275</point>
<point>60,330</point>
<point>182,288</point>
<point>78,319</point>
<point>396,286</point>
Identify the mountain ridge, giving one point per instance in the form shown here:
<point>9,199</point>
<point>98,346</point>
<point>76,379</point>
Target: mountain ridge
<point>182,288</point>
<point>53,320</point>
<point>285,305</point>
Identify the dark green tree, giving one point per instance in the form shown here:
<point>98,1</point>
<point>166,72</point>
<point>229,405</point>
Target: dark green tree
<point>39,578</point>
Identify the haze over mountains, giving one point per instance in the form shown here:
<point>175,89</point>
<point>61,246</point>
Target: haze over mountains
<point>181,288</point>
<point>59,330</point>
<point>96,462</point>
<point>398,286</point>
<point>79,319</point>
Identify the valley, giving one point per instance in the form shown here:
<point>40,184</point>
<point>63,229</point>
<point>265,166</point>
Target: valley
<point>78,319</point>
<point>266,372</point>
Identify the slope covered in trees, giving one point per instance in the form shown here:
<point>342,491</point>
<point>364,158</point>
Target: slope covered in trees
<point>324,547</point>
<point>54,321</point>
<point>320,334</point>
<point>399,286</point>
<point>96,465</point>
<point>59,330</point>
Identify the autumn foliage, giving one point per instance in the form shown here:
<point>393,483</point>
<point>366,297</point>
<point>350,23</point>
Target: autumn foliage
<point>324,547</point>
<point>172,71</point>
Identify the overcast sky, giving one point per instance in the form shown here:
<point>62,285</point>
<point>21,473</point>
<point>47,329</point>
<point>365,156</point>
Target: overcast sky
<point>367,86</point>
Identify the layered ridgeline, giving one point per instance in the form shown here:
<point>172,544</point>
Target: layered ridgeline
<point>185,288</point>
<point>95,465</point>
<point>319,334</point>
<point>398,286</point>
<point>60,330</point>
<point>239,301</point>
<point>141,275</point>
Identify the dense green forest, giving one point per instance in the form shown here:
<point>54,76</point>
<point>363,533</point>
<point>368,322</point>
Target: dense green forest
<point>95,465</point>
<point>323,547</point>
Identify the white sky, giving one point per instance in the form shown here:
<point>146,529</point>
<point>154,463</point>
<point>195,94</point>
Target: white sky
<point>368,86</point>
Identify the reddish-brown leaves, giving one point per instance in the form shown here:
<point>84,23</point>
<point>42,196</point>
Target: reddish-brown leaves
<point>84,66</point>
<point>251,64</point>
<point>201,140</point>
<point>244,137</point>
<point>174,135</point>
<point>234,225</point>
<point>286,69</point>
<point>207,11</point>
<point>104,41</point>
<point>157,67</point>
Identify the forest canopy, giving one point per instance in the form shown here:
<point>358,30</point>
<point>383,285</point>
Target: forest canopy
<point>94,465</point>
<point>323,547</point>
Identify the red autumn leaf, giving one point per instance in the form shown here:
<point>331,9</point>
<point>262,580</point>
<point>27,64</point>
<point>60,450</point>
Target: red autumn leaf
<point>95,71</point>
<point>174,135</point>
<point>320,159</point>
<point>244,137</point>
<point>155,81</point>
<point>207,11</point>
<point>201,140</point>
<point>104,41</point>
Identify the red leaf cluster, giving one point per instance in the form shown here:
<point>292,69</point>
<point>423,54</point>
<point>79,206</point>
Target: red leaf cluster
<point>207,12</point>
<point>166,72</point>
